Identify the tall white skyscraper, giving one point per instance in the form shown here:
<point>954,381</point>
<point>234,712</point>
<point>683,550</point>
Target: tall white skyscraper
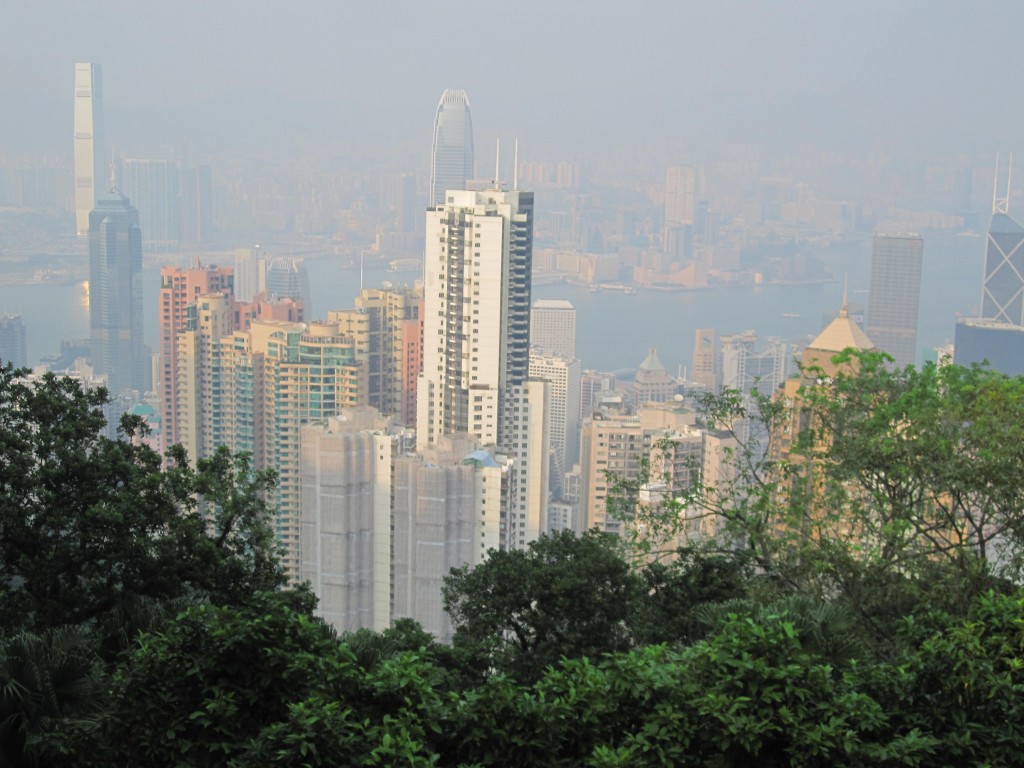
<point>895,291</point>
<point>476,340</point>
<point>451,162</point>
<point>90,155</point>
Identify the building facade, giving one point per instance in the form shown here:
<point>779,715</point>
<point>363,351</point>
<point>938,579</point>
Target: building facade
<point>386,325</point>
<point>895,292</point>
<point>90,154</point>
<point>180,289</point>
<point>553,328</point>
<point>1002,292</point>
<point>564,414</point>
<point>476,341</point>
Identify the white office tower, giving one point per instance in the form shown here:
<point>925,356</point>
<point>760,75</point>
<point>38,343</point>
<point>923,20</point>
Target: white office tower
<point>91,175</point>
<point>564,414</point>
<point>553,327</point>
<point>451,161</point>
<point>250,273</point>
<point>476,337</point>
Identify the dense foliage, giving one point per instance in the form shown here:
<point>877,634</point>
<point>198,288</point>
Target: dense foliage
<point>144,618</point>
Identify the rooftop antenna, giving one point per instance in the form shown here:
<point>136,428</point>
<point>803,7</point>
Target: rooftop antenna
<point>497,163</point>
<point>1009,173</point>
<point>1001,204</point>
<point>362,251</point>
<point>515,168</point>
<point>844,311</point>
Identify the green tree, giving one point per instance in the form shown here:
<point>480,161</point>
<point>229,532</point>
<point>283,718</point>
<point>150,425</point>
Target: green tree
<point>263,684</point>
<point>89,525</point>
<point>52,691</point>
<point>926,462</point>
<point>520,611</point>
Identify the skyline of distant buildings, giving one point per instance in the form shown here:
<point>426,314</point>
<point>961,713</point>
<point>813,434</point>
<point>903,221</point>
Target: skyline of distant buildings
<point>422,425</point>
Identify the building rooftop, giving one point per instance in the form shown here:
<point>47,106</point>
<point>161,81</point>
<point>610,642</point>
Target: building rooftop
<point>840,334</point>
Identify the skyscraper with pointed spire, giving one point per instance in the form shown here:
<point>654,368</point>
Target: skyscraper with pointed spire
<point>451,161</point>
<point>90,155</point>
<point>996,336</point>
<point>1002,289</point>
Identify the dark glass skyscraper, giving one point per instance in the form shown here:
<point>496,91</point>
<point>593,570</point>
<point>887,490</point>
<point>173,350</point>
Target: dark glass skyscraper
<point>451,162</point>
<point>1002,292</point>
<point>115,293</point>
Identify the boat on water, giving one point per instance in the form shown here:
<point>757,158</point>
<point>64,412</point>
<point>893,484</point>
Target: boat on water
<point>790,314</point>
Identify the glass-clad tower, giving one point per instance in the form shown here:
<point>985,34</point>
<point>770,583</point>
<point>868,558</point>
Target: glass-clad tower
<point>451,162</point>
<point>1002,293</point>
<point>115,293</point>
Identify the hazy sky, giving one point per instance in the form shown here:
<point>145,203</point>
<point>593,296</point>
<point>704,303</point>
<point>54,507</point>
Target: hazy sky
<point>944,76</point>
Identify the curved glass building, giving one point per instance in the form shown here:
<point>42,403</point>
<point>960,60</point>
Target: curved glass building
<point>451,162</point>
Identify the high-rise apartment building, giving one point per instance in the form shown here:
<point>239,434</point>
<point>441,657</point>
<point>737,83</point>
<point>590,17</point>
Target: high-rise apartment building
<point>451,162</point>
<point>619,445</point>
<point>265,383</point>
<point>386,326</point>
<point>196,408</point>
<point>382,527</point>
<point>153,185</point>
<point>895,291</point>
<point>476,339</point>
<point>90,155</point>
<point>553,328</point>
<point>180,289</point>
<point>476,324</point>
<point>115,294</point>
